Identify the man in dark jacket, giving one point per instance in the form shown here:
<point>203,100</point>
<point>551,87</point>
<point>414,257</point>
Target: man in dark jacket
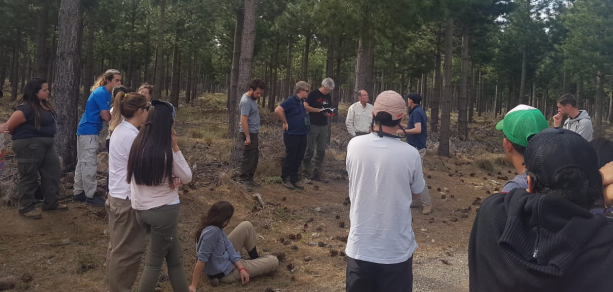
<point>545,239</point>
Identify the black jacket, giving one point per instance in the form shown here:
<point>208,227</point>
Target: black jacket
<point>533,242</point>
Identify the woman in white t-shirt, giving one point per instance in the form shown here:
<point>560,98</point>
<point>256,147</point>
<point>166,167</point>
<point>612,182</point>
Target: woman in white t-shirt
<point>156,167</point>
<point>127,237</point>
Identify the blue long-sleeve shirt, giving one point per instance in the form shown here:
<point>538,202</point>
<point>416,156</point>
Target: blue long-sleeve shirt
<point>216,251</point>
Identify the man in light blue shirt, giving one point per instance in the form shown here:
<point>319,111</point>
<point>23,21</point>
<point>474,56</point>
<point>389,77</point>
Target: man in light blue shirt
<point>97,111</point>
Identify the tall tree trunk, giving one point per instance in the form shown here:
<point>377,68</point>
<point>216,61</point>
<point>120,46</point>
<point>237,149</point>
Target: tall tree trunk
<point>533,99</point>
<point>146,77</point>
<point>236,54</point>
<point>463,99</point>
<point>480,95</point>
<point>66,89</point>
<point>330,59</point>
<point>88,81</point>
<point>443,148</point>
<point>362,63</point>
<point>611,106</point>
<point>52,57</point>
<point>244,74</point>
<point>580,93</point>
<point>273,91</point>
<point>522,86</point>
<point>167,77</point>
<point>159,63</point>
<point>438,84</point>
<point>176,72</point>
<point>15,68</point>
<point>188,86</point>
<point>598,105</point>
<point>305,57</point>
<point>131,53</point>
<point>288,67</point>
<point>337,75</point>
<point>471,96</point>
<point>40,65</point>
<point>2,66</point>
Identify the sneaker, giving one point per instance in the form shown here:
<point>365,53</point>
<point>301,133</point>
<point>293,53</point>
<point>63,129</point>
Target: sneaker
<point>298,185</point>
<point>95,201</point>
<point>416,205</point>
<point>320,179</point>
<point>288,184</point>
<point>80,197</point>
<point>61,207</point>
<point>33,214</point>
<point>427,210</point>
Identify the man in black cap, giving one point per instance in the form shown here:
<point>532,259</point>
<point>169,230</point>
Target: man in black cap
<point>545,239</point>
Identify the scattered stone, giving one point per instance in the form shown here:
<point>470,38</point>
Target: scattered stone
<point>318,229</point>
<point>433,240</point>
<point>431,220</point>
<point>333,253</point>
<point>308,259</point>
<point>321,244</point>
<point>462,180</point>
<point>317,209</point>
<point>290,266</point>
<point>438,189</point>
<point>312,243</point>
<point>443,197</point>
<point>315,235</point>
<point>84,267</point>
<point>294,247</point>
<point>452,196</point>
<point>446,262</point>
<point>341,224</point>
<point>424,229</point>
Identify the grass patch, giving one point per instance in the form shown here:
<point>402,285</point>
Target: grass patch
<point>485,164</point>
<point>272,180</point>
<point>502,161</point>
<point>269,167</point>
<point>194,133</point>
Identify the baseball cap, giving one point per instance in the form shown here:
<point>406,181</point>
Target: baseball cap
<point>390,102</point>
<point>554,150</point>
<point>520,123</point>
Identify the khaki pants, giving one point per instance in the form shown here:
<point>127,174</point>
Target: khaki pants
<point>87,165</point>
<point>164,244</point>
<point>317,140</point>
<point>425,195</point>
<point>243,236</point>
<point>126,245</point>
<point>37,156</point>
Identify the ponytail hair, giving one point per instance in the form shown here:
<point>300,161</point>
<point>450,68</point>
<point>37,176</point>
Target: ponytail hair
<point>105,78</point>
<point>118,94</point>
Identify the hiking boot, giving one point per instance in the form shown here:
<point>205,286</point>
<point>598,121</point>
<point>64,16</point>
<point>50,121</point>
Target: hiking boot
<point>95,201</point>
<point>416,205</point>
<point>60,207</point>
<point>280,255</point>
<point>248,186</point>
<point>427,210</point>
<point>298,185</point>
<point>320,179</point>
<point>288,184</point>
<point>32,214</point>
<point>80,197</point>
<point>214,282</point>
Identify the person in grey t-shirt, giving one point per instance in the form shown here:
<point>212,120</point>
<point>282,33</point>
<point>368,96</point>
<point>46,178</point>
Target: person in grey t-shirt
<point>249,129</point>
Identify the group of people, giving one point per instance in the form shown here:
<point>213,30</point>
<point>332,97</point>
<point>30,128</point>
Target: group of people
<point>304,117</point>
<point>544,232</point>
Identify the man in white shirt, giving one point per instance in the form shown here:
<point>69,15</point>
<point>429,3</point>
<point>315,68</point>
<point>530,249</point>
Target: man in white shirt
<point>359,116</point>
<point>384,173</point>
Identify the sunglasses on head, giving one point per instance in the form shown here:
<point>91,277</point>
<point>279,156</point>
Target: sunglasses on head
<point>165,103</point>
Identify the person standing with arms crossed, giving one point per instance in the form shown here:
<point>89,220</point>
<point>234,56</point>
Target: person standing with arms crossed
<point>316,102</point>
<point>417,136</point>
<point>97,111</point>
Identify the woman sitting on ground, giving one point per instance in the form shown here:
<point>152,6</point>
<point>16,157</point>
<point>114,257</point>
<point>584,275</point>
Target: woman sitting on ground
<point>32,127</point>
<point>219,255</point>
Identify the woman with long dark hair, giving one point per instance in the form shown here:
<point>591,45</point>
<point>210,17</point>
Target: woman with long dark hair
<point>219,255</point>
<point>32,127</point>
<point>126,235</point>
<point>156,167</point>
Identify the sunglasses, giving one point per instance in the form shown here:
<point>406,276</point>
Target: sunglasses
<point>165,103</point>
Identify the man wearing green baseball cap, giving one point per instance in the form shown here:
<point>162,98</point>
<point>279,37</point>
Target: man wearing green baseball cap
<point>518,126</point>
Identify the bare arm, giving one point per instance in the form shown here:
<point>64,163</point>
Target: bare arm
<point>196,276</point>
<point>106,115</point>
<point>280,111</point>
<point>16,119</point>
<point>245,127</point>
<point>415,130</point>
<point>310,109</point>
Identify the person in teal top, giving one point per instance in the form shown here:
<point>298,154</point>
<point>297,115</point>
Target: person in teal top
<point>97,111</point>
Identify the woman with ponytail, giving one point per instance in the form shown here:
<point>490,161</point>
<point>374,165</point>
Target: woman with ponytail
<point>32,127</point>
<point>127,237</point>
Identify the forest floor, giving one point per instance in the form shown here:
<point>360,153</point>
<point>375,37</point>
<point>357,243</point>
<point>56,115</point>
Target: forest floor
<point>66,250</point>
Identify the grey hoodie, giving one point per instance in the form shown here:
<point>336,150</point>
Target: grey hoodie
<point>581,125</point>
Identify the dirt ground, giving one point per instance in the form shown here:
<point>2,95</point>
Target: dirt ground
<point>66,250</point>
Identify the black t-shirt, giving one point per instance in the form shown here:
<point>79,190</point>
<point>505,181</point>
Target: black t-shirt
<point>28,129</point>
<point>316,99</point>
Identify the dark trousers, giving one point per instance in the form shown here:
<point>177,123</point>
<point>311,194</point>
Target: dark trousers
<point>317,141</point>
<point>295,146</point>
<point>371,277</point>
<point>251,154</point>
<point>37,156</point>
